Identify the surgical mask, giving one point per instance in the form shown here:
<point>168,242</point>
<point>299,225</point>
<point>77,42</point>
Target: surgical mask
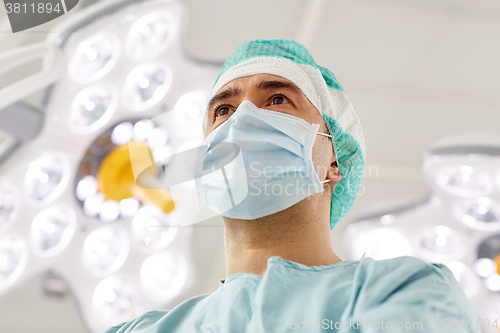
<point>257,163</point>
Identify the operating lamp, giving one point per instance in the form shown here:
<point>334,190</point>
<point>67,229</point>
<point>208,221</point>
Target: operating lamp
<point>120,99</point>
<point>457,224</point>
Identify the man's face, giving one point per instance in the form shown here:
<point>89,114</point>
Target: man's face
<point>265,91</point>
<point>272,93</point>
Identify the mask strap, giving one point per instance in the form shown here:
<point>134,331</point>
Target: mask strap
<point>328,180</point>
<point>328,135</point>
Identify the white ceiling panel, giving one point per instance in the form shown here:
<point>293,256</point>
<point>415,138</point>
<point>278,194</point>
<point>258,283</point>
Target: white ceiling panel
<point>466,60</point>
<point>400,124</point>
<point>217,27</point>
<point>377,42</point>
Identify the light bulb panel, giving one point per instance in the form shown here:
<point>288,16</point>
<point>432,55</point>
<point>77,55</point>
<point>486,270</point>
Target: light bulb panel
<point>467,172</point>
<point>58,208</point>
<point>457,224</point>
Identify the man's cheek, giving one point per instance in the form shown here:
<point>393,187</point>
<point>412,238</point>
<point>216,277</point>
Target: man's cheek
<point>321,158</point>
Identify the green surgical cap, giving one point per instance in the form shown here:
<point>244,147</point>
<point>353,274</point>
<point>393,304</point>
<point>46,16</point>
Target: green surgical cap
<point>292,61</point>
<point>278,48</point>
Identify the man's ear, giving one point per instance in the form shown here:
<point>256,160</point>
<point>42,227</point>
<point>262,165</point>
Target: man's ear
<point>333,173</point>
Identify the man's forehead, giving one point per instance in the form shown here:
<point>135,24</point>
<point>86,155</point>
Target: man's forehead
<point>256,80</point>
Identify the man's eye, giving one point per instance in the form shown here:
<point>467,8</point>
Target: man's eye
<point>279,99</point>
<point>222,111</point>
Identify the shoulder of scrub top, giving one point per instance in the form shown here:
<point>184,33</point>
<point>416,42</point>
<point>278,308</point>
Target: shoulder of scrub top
<point>151,319</point>
<point>408,286</point>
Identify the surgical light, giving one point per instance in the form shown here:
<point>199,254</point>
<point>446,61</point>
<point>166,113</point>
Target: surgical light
<point>110,210</point>
<point>114,61</point>
<point>482,213</point>
<point>487,264</point>
<point>163,275</point>
<point>190,109</point>
<point>485,267</point>
<point>465,180</point>
<point>157,137</point>
<point>151,35</point>
<point>142,129</point>
<point>462,213</point>
<point>153,230</point>
<point>122,133</point>
<point>129,207</point>
<point>46,178</point>
<point>92,108</point>
<point>115,299</point>
<point>105,250</point>
<point>52,230</point>
<point>94,57</point>
<point>378,243</point>
<point>146,85</point>
<point>441,241</point>
<point>92,205</point>
<point>492,282</point>
<point>86,188</point>
<point>9,203</point>
<point>13,258</point>
<point>163,153</point>
<point>466,279</point>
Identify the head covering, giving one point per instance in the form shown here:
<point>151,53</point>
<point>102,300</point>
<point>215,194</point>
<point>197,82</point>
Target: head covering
<point>292,61</point>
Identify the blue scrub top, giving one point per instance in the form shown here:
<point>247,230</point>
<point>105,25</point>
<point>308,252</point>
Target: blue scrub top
<point>403,294</point>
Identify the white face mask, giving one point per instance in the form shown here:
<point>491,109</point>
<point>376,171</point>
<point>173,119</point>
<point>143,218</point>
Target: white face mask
<point>257,163</point>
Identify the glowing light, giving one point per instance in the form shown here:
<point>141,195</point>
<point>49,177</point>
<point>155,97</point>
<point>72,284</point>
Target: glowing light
<point>9,202</point>
<point>485,267</point>
<point>163,275</point>
<point>142,129</point>
<point>465,181</point>
<point>481,213</point>
<point>13,258</point>
<point>94,57</point>
<point>52,230</point>
<point>466,279</point>
<point>110,210</point>
<point>105,250</point>
<point>92,108</point>
<point>380,244</point>
<point>492,282</point>
<point>151,35</point>
<point>46,178</point>
<point>128,207</point>
<point>115,299</point>
<point>189,112</point>
<point>92,206</point>
<point>153,230</point>
<point>122,133</point>
<point>146,85</point>
<point>163,153</point>
<point>387,219</point>
<point>157,137</point>
<point>86,188</point>
<point>441,241</point>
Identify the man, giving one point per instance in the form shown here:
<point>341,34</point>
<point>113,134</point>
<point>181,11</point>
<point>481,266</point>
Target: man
<point>303,156</point>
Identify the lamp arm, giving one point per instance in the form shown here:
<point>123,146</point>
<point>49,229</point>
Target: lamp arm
<point>52,70</point>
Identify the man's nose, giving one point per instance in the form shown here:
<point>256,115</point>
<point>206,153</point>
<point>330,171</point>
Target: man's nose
<point>253,96</point>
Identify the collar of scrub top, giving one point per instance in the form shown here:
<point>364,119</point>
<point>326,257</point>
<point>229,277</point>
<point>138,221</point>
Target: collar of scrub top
<point>362,257</point>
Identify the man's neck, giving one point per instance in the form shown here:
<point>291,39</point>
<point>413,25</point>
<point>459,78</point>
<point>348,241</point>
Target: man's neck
<point>292,234</point>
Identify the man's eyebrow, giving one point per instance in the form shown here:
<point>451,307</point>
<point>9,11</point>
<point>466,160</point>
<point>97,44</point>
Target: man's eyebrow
<point>264,85</point>
<point>270,85</point>
<point>226,93</point>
